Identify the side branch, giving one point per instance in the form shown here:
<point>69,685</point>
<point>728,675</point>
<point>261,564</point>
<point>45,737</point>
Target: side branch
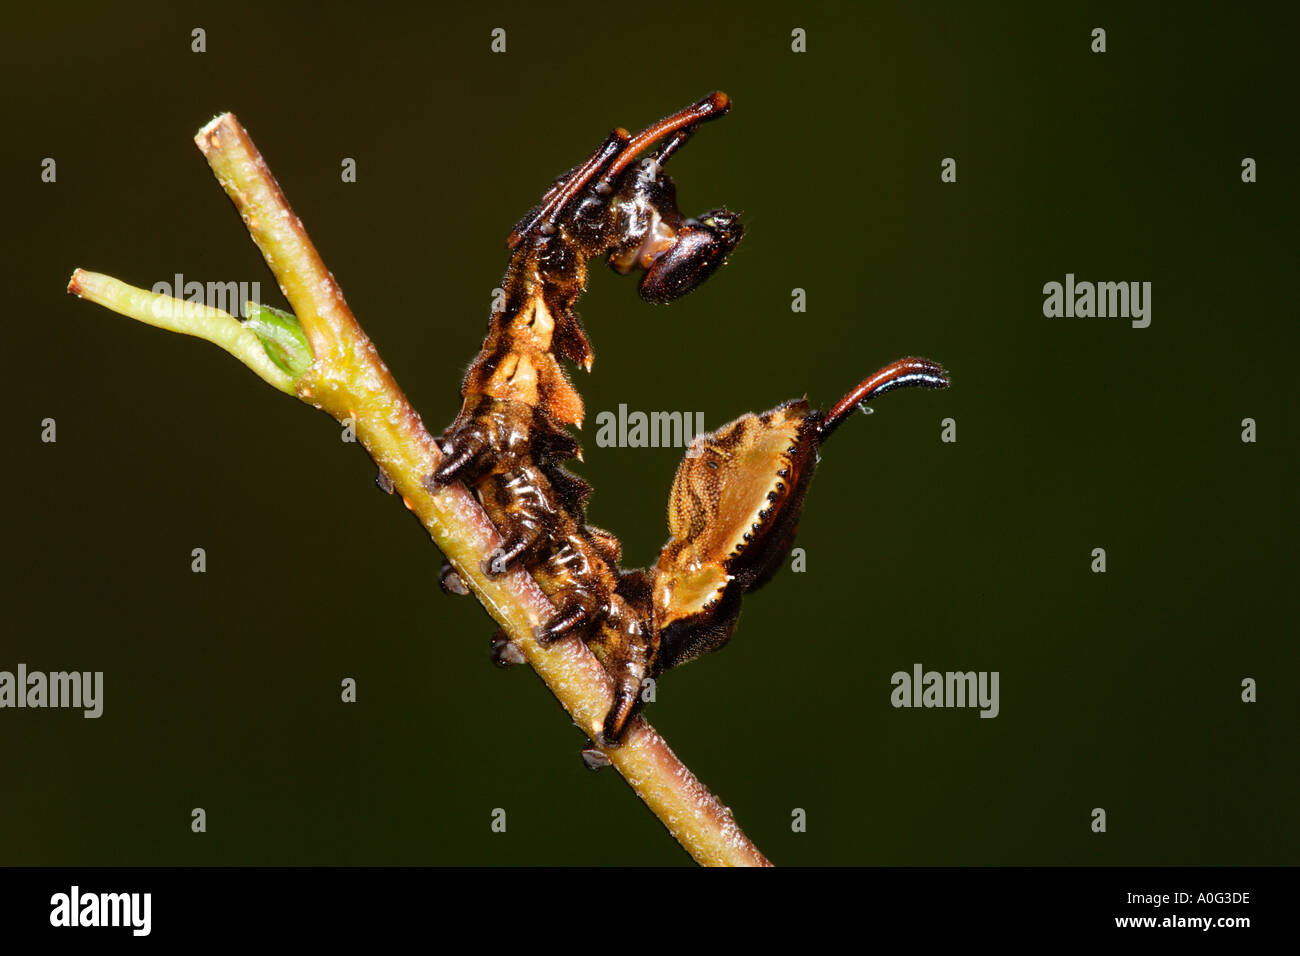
<point>189,318</point>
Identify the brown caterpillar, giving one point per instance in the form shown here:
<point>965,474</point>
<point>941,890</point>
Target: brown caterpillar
<point>509,441</point>
<point>737,496</point>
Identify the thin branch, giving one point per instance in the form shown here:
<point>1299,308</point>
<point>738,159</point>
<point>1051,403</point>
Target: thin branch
<point>189,318</point>
<point>348,380</point>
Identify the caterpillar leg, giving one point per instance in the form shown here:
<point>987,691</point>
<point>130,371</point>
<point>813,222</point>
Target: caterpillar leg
<point>521,505</point>
<point>450,581</point>
<point>627,646</point>
<point>509,455</point>
<point>461,451</point>
<point>578,581</point>
<point>573,616</point>
<point>488,433</point>
<point>505,652</point>
<point>592,757</point>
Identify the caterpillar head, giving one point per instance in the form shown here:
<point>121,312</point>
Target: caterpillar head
<point>614,205</point>
<point>677,254</point>
<point>735,505</point>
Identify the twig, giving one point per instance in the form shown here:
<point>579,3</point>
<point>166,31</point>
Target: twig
<point>348,380</point>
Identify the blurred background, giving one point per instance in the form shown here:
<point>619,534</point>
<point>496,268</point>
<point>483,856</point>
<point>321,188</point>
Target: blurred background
<point>1119,690</point>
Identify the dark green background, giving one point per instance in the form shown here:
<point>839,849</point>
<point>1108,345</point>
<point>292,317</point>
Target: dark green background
<point>1118,691</point>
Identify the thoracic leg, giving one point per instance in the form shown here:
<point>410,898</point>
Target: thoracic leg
<point>578,581</point>
<point>520,504</point>
<point>488,434</point>
<point>509,454</point>
<point>626,646</point>
<point>574,615</point>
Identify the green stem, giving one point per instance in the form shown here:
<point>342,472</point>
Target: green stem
<point>189,318</point>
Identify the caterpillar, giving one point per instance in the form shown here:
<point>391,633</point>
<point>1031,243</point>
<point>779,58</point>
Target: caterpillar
<point>510,440</point>
<point>738,495</point>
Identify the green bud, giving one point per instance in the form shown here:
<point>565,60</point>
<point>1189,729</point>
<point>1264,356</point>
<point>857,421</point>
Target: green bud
<point>281,335</point>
